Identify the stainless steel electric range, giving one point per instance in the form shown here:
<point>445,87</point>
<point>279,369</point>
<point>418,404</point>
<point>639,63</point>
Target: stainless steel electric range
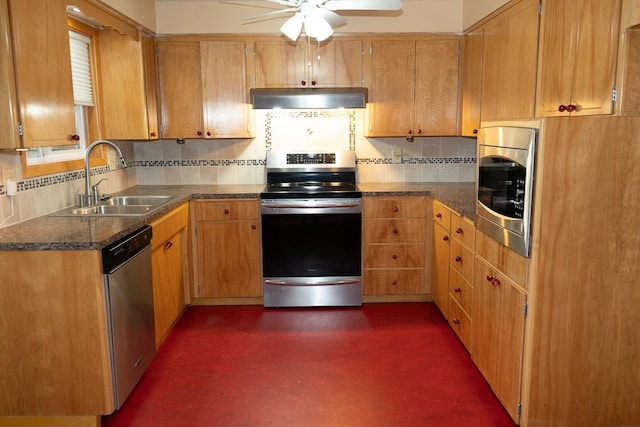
<point>311,230</point>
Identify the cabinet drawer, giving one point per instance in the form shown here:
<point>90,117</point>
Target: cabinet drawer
<point>460,323</point>
<point>394,256</point>
<point>393,282</point>
<point>226,210</point>
<point>514,265</point>
<point>461,291</point>
<point>395,207</point>
<point>464,230</point>
<point>461,259</point>
<point>403,230</point>
<point>442,215</point>
<point>168,225</point>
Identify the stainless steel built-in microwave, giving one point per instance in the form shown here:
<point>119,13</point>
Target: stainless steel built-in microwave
<point>504,185</point>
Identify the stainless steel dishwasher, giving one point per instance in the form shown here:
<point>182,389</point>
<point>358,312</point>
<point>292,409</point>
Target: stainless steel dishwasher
<point>129,297</point>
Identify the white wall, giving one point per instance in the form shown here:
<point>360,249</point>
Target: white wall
<point>141,11</point>
<point>474,10</point>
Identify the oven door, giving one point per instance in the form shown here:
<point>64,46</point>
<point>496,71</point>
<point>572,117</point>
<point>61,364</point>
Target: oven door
<point>312,252</point>
<point>505,187</point>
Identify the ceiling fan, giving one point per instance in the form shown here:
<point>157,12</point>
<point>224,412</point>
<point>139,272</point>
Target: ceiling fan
<point>320,17</point>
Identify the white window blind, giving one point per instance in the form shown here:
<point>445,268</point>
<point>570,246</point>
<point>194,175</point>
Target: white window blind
<point>81,69</point>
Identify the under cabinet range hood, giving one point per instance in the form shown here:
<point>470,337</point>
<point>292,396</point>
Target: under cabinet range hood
<point>311,98</point>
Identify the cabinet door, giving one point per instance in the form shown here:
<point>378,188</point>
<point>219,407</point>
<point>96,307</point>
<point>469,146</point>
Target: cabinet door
<point>226,108</point>
<point>126,113</point>
<point>578,51</point>
<point>440,272</point>
<point>8,99</point>
<point>391,85</point>
<point>337,63</point>
<point>180,86</point>
<point>472,82</point>
<point>436,87</point>
<point>42,63</point>
<point>509,63</point>
<point>281,64</point>
<point>229,259</point>
<point>498,333</point>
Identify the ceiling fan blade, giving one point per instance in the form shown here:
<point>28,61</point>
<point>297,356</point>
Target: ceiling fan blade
<point>363,4</point>
<point>268,15</point>
<point>332,18</point>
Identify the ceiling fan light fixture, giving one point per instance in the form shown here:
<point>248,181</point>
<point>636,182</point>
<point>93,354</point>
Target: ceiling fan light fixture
<point>293,26</point>
<point>316,27</point>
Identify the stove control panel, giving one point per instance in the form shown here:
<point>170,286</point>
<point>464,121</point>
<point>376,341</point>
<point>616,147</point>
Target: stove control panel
<point>311,158</point>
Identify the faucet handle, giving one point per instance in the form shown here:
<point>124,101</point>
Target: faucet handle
<point>95,191</point>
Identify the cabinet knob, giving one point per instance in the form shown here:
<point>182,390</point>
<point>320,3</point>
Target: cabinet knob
<point>168,245</point>
<point>456,321</point>
<point>75,138</point>
<point>153,134</point>
<point>459,230</point>
<point>253,226</point>
<point>199,133</point>
<point>489,278</point>
<point>495,282</point>
<point>395,256</point>
<point>226,211</point>
<point>394,282</point>
<point>475,131</point>
<point>410,132</point>
<point>208,133</point>
<point>303,82</point>
<point>438,215</point>
<point>395,231</point>
<point>458,258</point>
<point>571,108</point>
<point>457,290</point>
<point>395,209</point>
<point>445,238</point>
<point>419,132</point>
<point>313,82</point>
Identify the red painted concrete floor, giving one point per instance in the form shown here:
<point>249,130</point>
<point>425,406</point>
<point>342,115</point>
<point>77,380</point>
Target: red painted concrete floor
<point>376,365</point>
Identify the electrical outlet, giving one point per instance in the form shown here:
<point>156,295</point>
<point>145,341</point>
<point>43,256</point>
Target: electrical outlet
<point>396,155</point>
<point>8,174</point>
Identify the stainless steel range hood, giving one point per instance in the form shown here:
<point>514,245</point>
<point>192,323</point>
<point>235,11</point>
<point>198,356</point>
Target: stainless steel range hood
<point>311,98</point>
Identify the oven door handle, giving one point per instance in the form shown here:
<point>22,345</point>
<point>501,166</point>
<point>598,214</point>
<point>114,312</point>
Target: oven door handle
<point>303,206</point>
<point>302,283</point>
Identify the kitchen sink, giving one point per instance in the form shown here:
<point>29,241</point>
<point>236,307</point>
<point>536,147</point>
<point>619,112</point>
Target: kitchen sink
<point>118,206</point>
<point>136,200</point>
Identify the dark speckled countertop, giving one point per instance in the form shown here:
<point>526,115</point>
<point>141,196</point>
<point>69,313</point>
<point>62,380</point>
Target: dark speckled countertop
<point>82,233</point>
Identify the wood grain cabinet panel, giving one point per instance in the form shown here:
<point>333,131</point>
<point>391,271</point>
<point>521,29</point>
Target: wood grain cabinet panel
<point>577,59</point>
<point>472,82</point>
<point>129,86</point>
<point>394,246</point>
<point>203,89</point>
<point>331,63</point>
<point>440,258</point>
<point>413,87</point>
<point>228,248</point>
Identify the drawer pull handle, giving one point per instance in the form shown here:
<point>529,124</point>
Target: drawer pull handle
<point>395,256</point>
<point>457,290</point>
<point>495,282</point>
<point>445,238</point>
<point>253,226</point>
<point>226,211</point>
<point>456,321</point>
<point>489,278</point>
<point>395,209</point>
<point>168,245</point>
<point>459,230</point>
<point>458,258</point>
<point>395,231</point>
<point>394,283</point>
<point>438,215</point>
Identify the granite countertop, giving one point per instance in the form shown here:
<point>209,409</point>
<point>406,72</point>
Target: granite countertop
<point>90,233</point>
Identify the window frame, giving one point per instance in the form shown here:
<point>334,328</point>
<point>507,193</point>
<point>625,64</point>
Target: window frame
<point>98,155</point>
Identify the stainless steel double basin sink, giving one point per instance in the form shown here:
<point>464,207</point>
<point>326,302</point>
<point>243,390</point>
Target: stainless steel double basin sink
<point>118,206</point>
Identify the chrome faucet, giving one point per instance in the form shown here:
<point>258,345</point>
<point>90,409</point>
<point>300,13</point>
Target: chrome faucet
<point>87,199</point>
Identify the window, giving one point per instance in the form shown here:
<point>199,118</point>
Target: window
<point>48,160</point>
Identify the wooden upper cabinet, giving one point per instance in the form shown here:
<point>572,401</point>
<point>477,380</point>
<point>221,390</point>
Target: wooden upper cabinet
<point>128,83</point>
<point>509,63</point>
<point>578,51</point>
<point>8,100</point>
<point>413,87</point>
<point>331,63</point>
<point>472,82</point>
<point>203,89</point>
<point>42,61</point>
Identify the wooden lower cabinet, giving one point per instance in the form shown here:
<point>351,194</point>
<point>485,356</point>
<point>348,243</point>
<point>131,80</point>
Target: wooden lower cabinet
<point>394,247</point>
<point>168,256</point>
<point>228,248</point>
<point>440,269</point>
<point>498,333</point>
